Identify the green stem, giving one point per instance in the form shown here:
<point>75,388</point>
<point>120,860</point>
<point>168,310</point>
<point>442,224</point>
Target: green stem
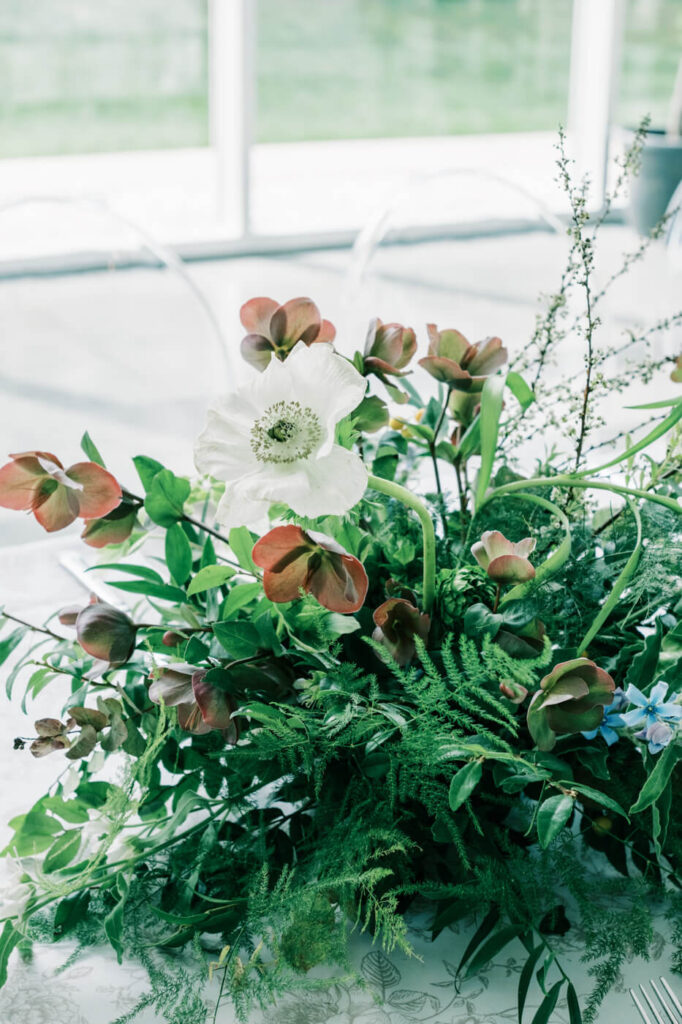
<point>394,490</point>
<point>568,480</point>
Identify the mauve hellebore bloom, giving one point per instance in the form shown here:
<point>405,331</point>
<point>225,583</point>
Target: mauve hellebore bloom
<point>201,707</point>
<point>296,559</point>
<point>455,361</point>
<point>274,329</point>
<point>504,560</point>
<point>388,348</point>
<point>571,699</point>
<point>38,482</point>
<point>397,623</point>
<point>105,632</point>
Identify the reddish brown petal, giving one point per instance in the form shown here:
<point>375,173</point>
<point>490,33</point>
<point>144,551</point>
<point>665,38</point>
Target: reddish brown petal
<point>340,584</point>
<point>189,719</point>
<point>106,633</point>
<point>510,569</point>
<point>327,331</point>
<point>256,314</point>
<point>274,549</point>
<point>173,685</point>
<point>100,532</point>
<point>446,371</point>
<point>257,350</point>
<point>286,585</point>
<point>56,508</point>
<point>296,320</point>
<point>101,491</point>
<point>214,704</point>
<point>49,727</point>
<point>19,481</point>
<point>42,747</point>
<point>44,457</point>
<point>486,357</point>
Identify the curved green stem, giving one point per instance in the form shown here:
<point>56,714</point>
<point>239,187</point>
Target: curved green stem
<point>568,480</point>
<point>394,490</point>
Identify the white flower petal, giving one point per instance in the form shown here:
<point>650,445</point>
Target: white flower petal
<point>331,385</point>
<point>336,482</point>
<point>237,507</point>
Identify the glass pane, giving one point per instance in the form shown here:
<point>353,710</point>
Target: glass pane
<point>84,77</point>
<point>652,47</point>
<point>345,69</point>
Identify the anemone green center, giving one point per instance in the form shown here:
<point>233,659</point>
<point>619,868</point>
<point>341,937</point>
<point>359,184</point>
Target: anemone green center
<point>285,433</point>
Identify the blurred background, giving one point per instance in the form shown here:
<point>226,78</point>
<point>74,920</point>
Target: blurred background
<point>161,161</point>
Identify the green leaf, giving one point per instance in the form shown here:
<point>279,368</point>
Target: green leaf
<point>491,409</point>
<point>552,816</point>
<point>8,940</point>
<point>209,577</point>
<point>143,571</point>
<point>598,797</point>
<point>90,449</point>
<point>240,595</point>
<point>463,784</point>
<point>546,1008</point>
<point>113,922</point>
<point>659,430</point>
<point>240,639</point>
<point>166,498</point>
<point>146,469</point>
<point>160,591</point>
<point>492,947</point>
<point>483,930</point>
<point>370,415</point>
<point>521,391</point>
<point>470,441</point>
<point>654,786</point>
<point>643,665</point>
<point>619,586</point>
<point>574,1014</point>
<point>63,850</point>
<point>178,554</point>
<point>241,542</point>
<point>525,979</point>
<point>69,810</point>
<point>10,643</point>
<point>70,912</point>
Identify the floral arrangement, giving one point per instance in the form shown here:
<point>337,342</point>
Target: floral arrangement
<point>367,664</point>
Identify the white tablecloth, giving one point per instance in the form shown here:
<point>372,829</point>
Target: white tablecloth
<point>96,990</point>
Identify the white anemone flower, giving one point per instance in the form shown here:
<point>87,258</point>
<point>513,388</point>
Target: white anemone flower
<point>272,440</point>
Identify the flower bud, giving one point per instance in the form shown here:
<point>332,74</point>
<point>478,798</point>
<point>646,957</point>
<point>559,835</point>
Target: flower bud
<point>171,639</point>
<point>513,691</point>
<point>106,633</point>
<point>68,616</point>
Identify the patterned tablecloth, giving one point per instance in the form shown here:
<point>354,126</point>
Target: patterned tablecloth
<point>400,990</point>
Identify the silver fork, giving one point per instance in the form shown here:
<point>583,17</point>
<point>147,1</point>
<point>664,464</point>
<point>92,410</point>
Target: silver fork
<point>670,1005</point>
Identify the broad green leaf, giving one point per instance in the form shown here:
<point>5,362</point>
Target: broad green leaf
<point>209,577</point>
<point>70,912</point>
<point>574,1014</point>
<point>241,594</point>
<point>63,850</point>
<point>147,469</point>
<point>553,814</point>
<point>370,415</point>
<point>178,554</point>
<point>240,639</point>
<point>90,449</point>
<point>166,498</point>
<point>597,796</point>
<point>463,784</point>
<point>491,408</point>
<point>521,391</point>
<point>160,591</point>
<point>525,979</point>
<point>113,922</point>
<point>242,544</point>
<point>546,1008</point>
<point>143,571</point>
<point>481,933</point>
<point>72,811</point>
<point>8,940</point>
<point>654,786</point>
<point>658,431</point>
<point>624,577</point>
<point>643,665</point>
<point>492,947</point>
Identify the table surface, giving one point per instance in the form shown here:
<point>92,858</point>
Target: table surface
<point>96,990</point>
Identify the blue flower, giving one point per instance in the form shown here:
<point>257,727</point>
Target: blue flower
<point>612,719</point>
<point>657,736</point>
<point>652,709</point>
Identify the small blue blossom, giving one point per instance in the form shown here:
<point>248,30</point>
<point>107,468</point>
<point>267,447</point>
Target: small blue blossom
<point>657,736</point>
<point>652,709</point>
<point>612,719</point>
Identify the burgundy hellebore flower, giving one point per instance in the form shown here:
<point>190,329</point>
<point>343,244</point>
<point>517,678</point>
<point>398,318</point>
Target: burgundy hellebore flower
<point>504,560</point>
<point>571,699</point>
<point>397,623</point>
<point>113,528</point>
<point>38,481</point>
<point>455,361</point>
<point>201,707</point>
<point>274,329</point>
<point>388,348</point>
<point>296,559</point>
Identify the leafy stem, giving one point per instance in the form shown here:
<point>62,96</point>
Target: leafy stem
<point>393,490</point>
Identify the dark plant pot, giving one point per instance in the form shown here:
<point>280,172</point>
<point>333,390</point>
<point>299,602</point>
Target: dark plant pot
<point>660,174</point>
